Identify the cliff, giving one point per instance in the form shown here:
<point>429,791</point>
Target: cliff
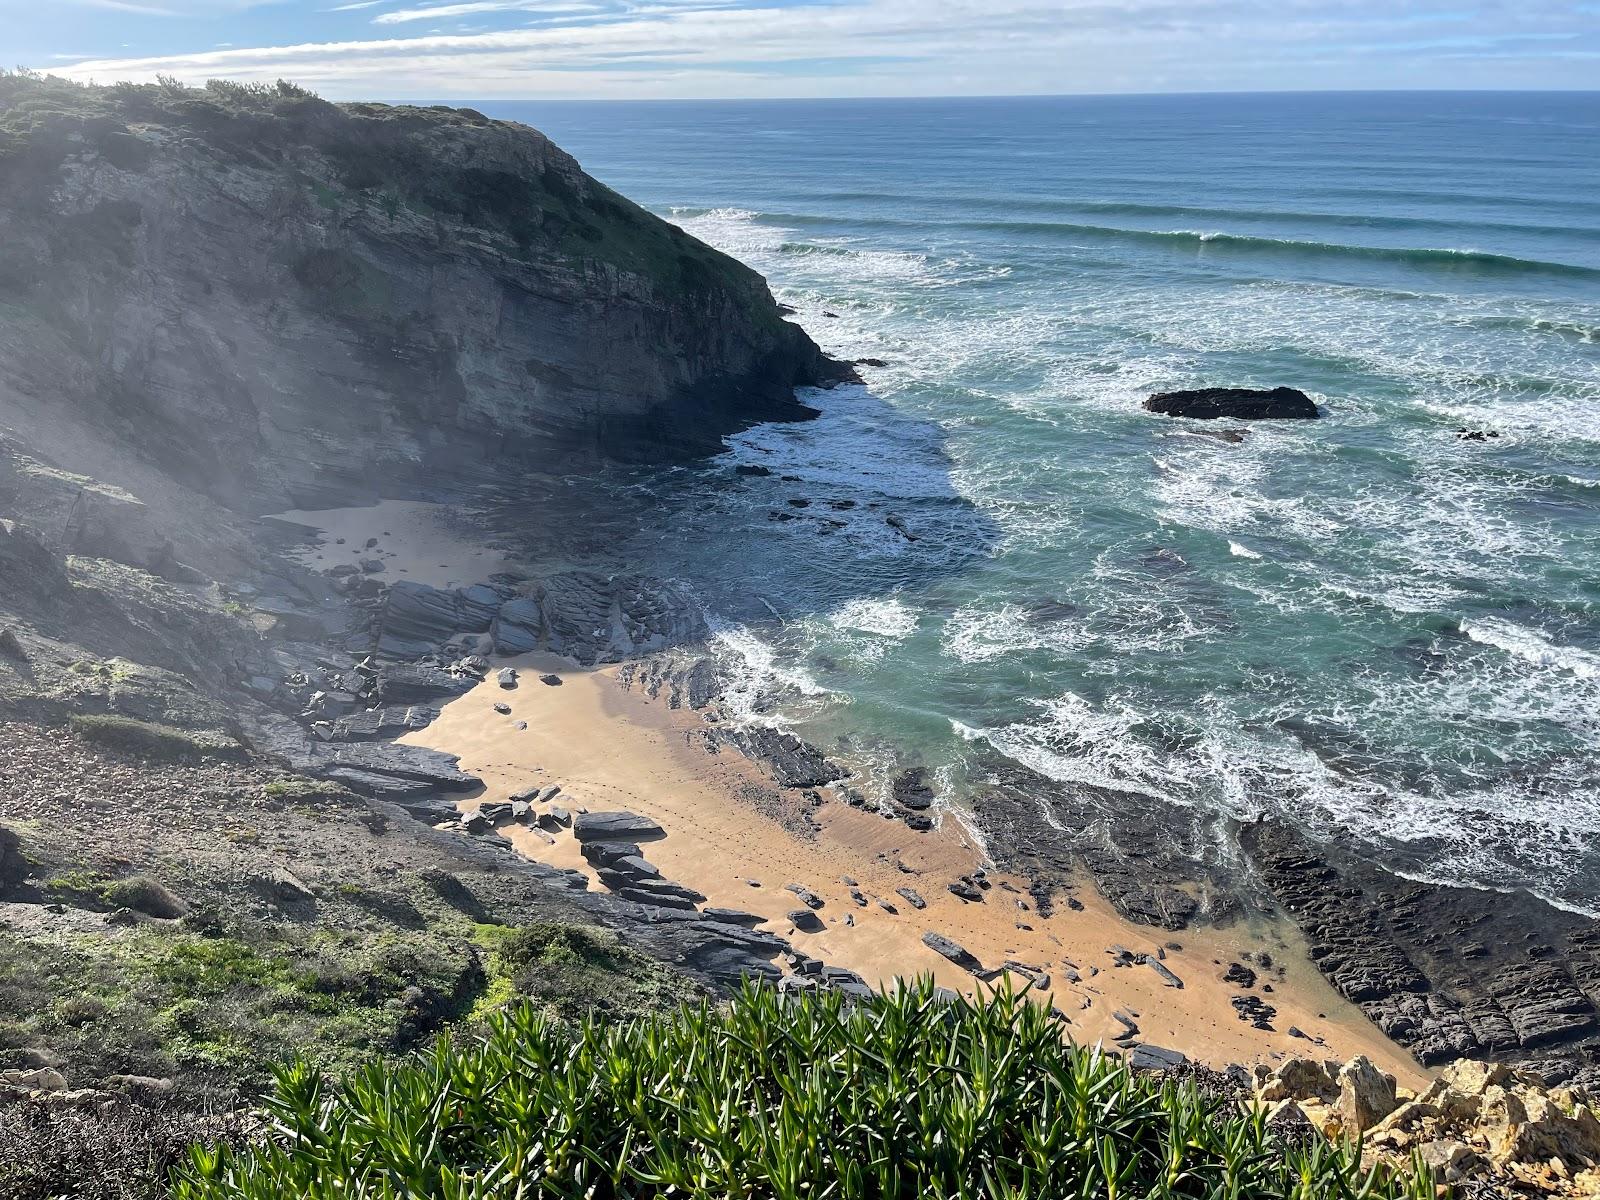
<point>275,301</point>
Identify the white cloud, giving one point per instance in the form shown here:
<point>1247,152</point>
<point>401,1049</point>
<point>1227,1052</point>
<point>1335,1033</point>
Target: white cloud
<point>129,6</point>
<point>474,7</point>
<point>714,47</point>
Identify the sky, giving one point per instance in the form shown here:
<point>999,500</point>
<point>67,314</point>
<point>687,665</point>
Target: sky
<point>462,50</point>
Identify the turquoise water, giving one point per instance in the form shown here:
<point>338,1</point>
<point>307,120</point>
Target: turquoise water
<point>1387,633</point>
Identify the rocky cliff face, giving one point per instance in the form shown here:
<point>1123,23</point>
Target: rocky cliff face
<point>274,301</point>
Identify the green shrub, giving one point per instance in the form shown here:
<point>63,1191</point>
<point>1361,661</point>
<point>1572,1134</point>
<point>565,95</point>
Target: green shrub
<point>575,970</point>
<point>907,1095</point>
<point>149,739</point>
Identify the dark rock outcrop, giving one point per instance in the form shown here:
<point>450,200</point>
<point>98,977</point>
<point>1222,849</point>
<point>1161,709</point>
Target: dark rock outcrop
<point>911,789</point>
<point>1447,972</point>
<point>794,763</point>
<point>1235,404</point>
<point>283,302</point>
<point>13,864</point>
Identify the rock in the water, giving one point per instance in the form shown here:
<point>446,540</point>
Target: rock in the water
<point>1235,404</point>
<point>794,763</point>
<point>615,826</point>
<point>1239,975</point>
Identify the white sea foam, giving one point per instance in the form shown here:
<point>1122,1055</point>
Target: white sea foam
<point>977,635</point>
<point>1075,741</point>
<point>1532,647</point>
<point>1371,519</point>
<point>755,672</point>
<point>889,618</point>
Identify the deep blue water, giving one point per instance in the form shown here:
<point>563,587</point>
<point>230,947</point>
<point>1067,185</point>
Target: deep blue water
<point>1386,632</point>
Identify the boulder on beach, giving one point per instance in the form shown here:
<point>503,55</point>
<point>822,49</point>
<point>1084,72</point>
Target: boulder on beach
<point>614,826</point>
<point>806,921</point>
<point>961,957</point>
<point>1235,404</point>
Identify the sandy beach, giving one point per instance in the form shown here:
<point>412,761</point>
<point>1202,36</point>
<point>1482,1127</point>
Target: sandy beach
<point>610,748</point>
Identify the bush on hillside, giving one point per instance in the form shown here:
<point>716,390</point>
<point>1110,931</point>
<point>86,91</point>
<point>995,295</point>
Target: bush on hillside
<point>907,1095</point>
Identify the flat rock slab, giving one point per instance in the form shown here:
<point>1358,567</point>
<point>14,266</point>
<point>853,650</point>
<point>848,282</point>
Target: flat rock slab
<point>1236,404</point>
<point>911,897</point>
<point>733,916</point>
<point>1144,1057</point>
<point>409,683</point>
<point>962,958</point>
<point>615,826</point>
<point>603,854</point>
<point>807,897</point>
<point>415,763</point>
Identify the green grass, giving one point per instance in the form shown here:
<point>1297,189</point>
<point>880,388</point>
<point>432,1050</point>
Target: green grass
<point>907,1095</point>
<point>574,971</point>
<point>166,1002</point>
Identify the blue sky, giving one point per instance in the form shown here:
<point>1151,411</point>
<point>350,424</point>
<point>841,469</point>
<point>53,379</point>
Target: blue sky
<point>508,49</point>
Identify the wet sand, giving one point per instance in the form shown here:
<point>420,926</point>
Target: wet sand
<point>414,540</point>
<point>611,748</point>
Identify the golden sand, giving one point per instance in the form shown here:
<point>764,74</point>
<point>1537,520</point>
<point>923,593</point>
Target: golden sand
<point>611,748</point>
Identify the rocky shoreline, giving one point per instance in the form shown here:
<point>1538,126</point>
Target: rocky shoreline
<point>181,691</point>
<point>1447,972</point>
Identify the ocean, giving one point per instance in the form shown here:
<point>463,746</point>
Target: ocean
<point>1384,631</point>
